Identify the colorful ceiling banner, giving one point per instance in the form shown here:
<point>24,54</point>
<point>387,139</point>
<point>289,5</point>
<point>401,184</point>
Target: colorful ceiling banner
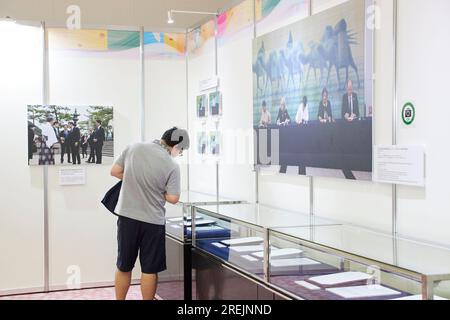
<point>123,40</point>
<point>265,7</point>
<point>198,37</point>
<point>65,39</point>
<point>235,19</point>
<point>157,43</point>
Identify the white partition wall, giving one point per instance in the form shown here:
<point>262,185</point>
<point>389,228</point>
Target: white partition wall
<point>423,67</point>
<point>22,194</point>
<point>201,66</point>
<point>165,102</point>
<point>82,231</point>
<point>236,176</point>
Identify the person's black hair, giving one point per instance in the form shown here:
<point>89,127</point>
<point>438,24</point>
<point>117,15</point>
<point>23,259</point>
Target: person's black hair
<point>99,122</point>
<point>71,123</point>
<point>264,103</point>
<point>176,137</point>
<point>324,90</point>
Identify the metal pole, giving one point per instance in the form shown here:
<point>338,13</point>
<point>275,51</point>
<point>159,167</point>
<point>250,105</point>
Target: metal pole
<point>142,71</point>
<point>217,74</point>
<point>255,160</point>
<point>394,129</point>
<point>186,59</point>
<point>311,179</point>
<point>45,100</point>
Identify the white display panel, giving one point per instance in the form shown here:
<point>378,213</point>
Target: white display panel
<point>165,101</point>
<point>202,170</point>
<point>236,176</point>
<point>82,232</point>
<point>22,194</point>
<point>423,214</point>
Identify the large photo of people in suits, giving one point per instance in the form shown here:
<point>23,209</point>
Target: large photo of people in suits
<point>70,135</point>
<point>312,85</point>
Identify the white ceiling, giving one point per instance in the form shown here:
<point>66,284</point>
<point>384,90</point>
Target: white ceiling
<point>151,14</point>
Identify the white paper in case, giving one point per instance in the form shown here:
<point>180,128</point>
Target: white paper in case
<point>242,241</point>
<point>369,291</point>
<point>280,253</point>
<point>293,262</point>
<point>307,285</point>
<point>340,278</point>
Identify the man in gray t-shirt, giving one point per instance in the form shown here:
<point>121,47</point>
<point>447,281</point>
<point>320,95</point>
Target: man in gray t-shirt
<point>150,177</point>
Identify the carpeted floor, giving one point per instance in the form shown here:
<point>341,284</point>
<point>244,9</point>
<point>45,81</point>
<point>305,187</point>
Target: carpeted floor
<point>166,291</point>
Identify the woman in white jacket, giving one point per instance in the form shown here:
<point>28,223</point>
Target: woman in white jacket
<point>302,116</point>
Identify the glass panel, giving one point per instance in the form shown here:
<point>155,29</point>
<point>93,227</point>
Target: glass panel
<point>265,216</point>
<point>229,241</point>
<point>406,254</point>
<point>316,274</point>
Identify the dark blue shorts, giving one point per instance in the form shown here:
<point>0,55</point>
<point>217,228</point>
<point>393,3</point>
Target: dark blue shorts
<point>148,240</point>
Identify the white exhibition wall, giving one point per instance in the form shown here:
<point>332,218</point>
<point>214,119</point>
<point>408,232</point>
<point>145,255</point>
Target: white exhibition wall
<point>202,170</point>
<point>83,234</point>
<point>423,65</point>
<point>165,101</point>
<point>82,231</point>
<point>21,196</point>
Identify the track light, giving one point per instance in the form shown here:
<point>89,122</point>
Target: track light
<point>169,17</point>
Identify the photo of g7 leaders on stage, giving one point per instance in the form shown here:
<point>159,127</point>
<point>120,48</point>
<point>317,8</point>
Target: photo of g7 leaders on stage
<point>309,84</point>
<point>69,135</point>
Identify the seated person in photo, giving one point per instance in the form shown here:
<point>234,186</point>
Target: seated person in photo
<point>265,116</point>
<point>350,105</point>
<point>283,118</point>
<point>302,113</point>
<point>325,115</point>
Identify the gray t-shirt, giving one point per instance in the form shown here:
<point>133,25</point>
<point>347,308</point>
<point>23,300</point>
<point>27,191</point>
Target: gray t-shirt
<point>149,173</point>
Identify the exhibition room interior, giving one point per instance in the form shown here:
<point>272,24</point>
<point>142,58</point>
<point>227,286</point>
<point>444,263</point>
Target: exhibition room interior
<point>317,162</point>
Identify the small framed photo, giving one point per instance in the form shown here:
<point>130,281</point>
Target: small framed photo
<point>215,103</point>
<point>202,142</point>
<point>202,103</point>
<point>215,143</point>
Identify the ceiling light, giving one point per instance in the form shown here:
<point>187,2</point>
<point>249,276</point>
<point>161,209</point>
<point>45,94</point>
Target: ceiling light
<point>169,17</point>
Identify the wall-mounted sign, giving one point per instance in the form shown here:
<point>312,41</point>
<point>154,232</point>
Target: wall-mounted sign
<point>408,114</point>
<point>72,176</point>
<point>404,165</point>
<point>210,83</point>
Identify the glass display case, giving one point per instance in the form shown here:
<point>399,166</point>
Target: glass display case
<point>178,216</point>
<point>340,262</point>
<point>237,234</point>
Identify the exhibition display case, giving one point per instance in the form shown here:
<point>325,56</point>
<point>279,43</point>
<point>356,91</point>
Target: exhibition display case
<point>307,257</point>
<point>179,234</point>
<point>237,234</point>
<point>178,216</point>
<point>339,262</point>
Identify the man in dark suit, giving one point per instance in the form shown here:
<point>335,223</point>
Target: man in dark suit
<point>65,147</point>
<point>91,146</point>
<point>99,138</point>
<point>350,105</point>
<point>74,141</point>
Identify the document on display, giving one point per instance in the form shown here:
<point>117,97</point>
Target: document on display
<point>404,165</point>
<point>340,278</point>
<point>242,241</point>
<point>369,291</point>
